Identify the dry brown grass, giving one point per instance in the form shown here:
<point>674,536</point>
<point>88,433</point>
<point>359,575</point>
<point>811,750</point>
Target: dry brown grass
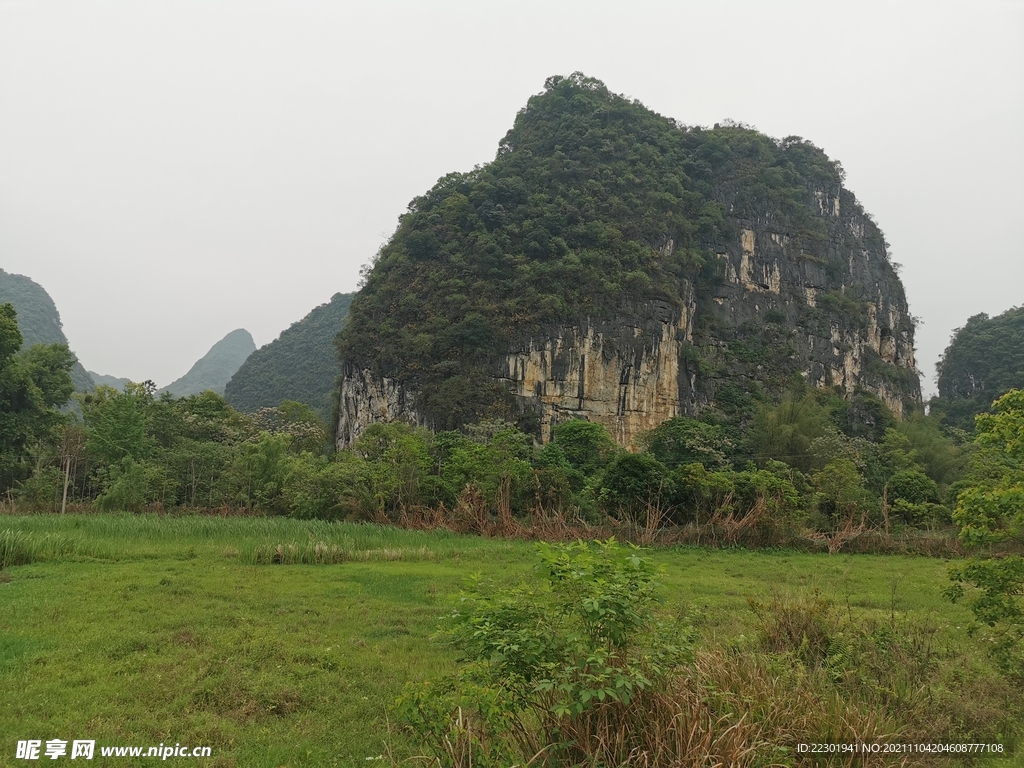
<point>471,514</point>
<point>726,709</point>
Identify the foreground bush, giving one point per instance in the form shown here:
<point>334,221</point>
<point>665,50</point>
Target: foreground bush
<point>580,672</point>
<point>568,671</point>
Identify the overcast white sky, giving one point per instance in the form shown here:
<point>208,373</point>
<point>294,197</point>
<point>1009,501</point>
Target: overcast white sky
<point>171,171</point>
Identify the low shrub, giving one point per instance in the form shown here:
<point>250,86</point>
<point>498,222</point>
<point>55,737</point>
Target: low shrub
<point>566,673</point>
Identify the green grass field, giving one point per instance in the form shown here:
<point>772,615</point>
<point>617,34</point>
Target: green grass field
<point>139,630</point>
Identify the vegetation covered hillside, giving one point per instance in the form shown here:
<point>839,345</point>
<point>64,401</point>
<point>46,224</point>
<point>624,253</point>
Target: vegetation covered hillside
<point>983,361</point>
<point>300,365</point>
<point>603,227</point>
<point>214,369</point>
<point>38,319</point>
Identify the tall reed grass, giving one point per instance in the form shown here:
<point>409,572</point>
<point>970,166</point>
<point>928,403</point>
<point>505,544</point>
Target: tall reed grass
<point>19,547</point>
<point>257,540</point>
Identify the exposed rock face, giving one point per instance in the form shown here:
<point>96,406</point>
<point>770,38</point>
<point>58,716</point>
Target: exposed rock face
<point>629,375</point>
<point>836,315</point>
<point>366,399</point>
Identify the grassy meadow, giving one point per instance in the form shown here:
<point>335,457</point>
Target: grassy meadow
<point>279,642</point>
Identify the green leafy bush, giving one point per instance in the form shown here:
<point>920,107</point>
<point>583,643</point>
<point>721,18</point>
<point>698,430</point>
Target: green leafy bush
<point>130,486</point>
<point>631,483</point>
<point>989,511</point>
<point>551,669</point>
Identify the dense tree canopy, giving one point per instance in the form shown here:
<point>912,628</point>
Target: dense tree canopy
<point>990,510</point>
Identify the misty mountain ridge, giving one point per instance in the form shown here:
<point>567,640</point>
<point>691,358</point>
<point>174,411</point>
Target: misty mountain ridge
<point>301,364</point>
<point>102,380</point>
<point>214,369</point>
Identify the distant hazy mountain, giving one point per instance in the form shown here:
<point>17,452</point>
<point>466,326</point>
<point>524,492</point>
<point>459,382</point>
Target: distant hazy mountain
<point>38,318</point>
<point>301,364</point>
<point>216,367</point>
<point>108,381</point>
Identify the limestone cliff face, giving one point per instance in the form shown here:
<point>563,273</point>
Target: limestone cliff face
<point>629,375</point>
<point>365,399</point>
<point>833,312</point>
<point>830,308</point>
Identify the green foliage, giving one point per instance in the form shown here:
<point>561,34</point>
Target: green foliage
<point>914,486</point>
<point>399,459</point>
<point>993,589</point>
<point>493,458</point>
<point>41,491</point>
<point>259,471</point>
<point>680,440</point>
<point>989,510</point>
<point>786,431</point>
<point>130,486</point>
<point>984,359</point>
<point>49,367</point>
<point>839,493</point>
<point>119,422</point>
<point>700,496</point>
<point>586,446</point>
<point>316,487</point>
<point>11,337</point>
<point>296,420</point>
<point>916,498</point>
<point>299,365</point>
<point>943,456</point>
<point>545,660</point>
<point>631,483</point>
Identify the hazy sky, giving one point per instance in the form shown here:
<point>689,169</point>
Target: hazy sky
<point>171,171</point>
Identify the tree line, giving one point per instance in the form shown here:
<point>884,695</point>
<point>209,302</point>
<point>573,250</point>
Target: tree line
<point>813,460</point>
